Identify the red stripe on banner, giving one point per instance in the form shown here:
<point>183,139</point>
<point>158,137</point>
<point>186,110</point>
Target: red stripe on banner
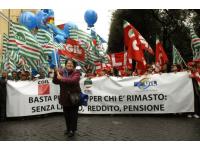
<point>47,46</point>
<point>31,49</point>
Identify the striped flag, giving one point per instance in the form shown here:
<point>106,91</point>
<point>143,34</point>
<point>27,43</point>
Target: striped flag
<point>34,64</point>
<point>15,56</point>
<point>10,66</point>
<point>86,42</point>
<point>45,39</point>
<point>195,44</point>
<point>5,44</point>
<point>177,59</point>
<point>25,41</point>
<point>4,50</point>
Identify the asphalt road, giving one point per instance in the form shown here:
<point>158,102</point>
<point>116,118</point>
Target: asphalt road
<point>103,128</point>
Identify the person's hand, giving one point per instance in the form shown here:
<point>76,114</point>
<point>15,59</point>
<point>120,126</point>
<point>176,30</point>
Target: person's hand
<point>56,70</point>
<point>59,77</point>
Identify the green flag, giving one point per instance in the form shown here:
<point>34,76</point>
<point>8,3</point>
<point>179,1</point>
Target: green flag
<point>177,59</point>
<point>86,42</point>
<point>45,39</point>
<point>28,45</point>
<point>5,53</point>
<point>195,44</point>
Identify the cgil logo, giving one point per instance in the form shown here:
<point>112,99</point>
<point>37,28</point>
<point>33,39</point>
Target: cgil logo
<point>43,87</point>
<point>145,83</point>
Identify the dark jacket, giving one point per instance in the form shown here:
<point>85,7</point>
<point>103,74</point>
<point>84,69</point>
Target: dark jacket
<point>68,84</point>
<point>3,94</point>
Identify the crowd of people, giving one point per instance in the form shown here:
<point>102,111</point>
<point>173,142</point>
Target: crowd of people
<point>23,75</point>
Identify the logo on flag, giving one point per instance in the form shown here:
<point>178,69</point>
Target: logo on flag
<point>20,36</point>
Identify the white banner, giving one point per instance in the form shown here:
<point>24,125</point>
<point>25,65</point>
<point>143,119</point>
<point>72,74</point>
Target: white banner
<point>165,93</point>
<point>25,98</point>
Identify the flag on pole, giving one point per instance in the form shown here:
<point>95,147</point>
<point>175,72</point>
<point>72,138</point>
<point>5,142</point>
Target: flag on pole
<point>4,51</point>
<point>161,56</point>
<point>177,59</point>
<point>45,39</point>
<point>129,32</point>
<point>195,44</point>
<point>133,45</point>
<point>73,50</point>
<point>96,36</point>
<point>86,42</point>
<point>28,45</point>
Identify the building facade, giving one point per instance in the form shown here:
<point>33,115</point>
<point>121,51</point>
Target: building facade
<point>7,15</point>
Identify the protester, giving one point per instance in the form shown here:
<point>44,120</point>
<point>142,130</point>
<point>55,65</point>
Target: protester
<point>194,74</point>
<point>68,79</point>
<point>115,72</point>
<point>14,76</point>
<point>28,75</point>
<point>42,74</point>
<point>164,68</point>
<point>23,76</point>
<point>3,94</point>
<point>176,68</point>
<point>50,74</point>
<point>19,74</point>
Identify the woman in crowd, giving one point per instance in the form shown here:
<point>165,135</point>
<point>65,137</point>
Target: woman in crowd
<point>68,79</point>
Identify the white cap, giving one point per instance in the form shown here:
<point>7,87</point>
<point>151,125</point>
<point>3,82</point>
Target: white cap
<point>78,67</point>
<point>37,75</point>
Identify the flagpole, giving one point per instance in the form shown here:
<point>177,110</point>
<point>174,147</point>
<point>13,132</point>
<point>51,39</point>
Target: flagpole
<point>125,58</point>
<point>55,58</point>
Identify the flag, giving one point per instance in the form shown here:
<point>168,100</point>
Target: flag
<point>97,37</point>
<point>86,42</point>
<point>117,60</point>
<point>129,32</point>
<point>4,50</point>
<point>10,66</point>
<point>28,45</point>
<point>45,39</point>
<point>73,50</point>
<point>177,59</point>
<point>195,44</point>
<point>134,46</point>
<point>98,45</point>
<point>161,56</point>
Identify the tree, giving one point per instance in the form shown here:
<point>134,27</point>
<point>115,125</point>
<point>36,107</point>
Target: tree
<point>172,26</point>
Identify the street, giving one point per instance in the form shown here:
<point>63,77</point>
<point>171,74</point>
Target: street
<point>103,128</point>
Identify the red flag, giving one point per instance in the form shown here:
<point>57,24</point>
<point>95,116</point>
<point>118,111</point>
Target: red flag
<point>133,41</point>
<point>98,66</point>
<point>161,56</point>
<point>117,59</point>
<point>73,50</point>
<point>141,67</point>
<point>134,50</point>
<point>129,32</point>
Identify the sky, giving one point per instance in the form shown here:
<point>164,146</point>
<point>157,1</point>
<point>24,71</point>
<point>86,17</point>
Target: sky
<point>102,25</point>
<point>73,10</point>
